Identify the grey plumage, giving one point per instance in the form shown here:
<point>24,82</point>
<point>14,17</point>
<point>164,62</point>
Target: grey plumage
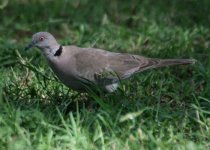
<point>76,66</point>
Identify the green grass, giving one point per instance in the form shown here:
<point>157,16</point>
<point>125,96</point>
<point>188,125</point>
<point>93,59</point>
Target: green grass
<point>167,108</point>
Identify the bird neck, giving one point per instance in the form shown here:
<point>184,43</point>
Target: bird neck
<point>58,51</point>
<point>52,51</point>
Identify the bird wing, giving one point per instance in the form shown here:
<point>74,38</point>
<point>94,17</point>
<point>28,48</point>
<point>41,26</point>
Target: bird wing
<point>106,67</point>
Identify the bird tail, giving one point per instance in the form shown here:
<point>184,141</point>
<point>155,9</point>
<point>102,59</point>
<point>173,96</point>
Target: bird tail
<point>169,62</point>
<point>157,63</point>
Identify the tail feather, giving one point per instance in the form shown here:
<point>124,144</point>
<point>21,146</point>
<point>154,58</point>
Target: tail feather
<point>169,62</point>
<point>157,63</point>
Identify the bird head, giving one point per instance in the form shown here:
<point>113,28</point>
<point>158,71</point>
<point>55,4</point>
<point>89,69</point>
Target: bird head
<point>44,41</point>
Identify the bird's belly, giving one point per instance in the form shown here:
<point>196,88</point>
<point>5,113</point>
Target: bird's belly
<point>81,86</point>
<point>68,78</point>
<point>71,81</point>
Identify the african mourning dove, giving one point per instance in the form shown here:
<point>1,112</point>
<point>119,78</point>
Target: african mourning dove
<point>76,66</point>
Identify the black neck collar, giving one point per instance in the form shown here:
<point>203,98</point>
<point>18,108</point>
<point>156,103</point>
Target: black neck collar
<point>59,51</point>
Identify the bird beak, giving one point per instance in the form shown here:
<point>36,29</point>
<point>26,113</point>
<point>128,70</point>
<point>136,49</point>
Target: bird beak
<point>29,46</point>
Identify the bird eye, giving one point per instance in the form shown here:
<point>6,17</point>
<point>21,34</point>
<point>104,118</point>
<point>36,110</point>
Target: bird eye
<point>41,38</point>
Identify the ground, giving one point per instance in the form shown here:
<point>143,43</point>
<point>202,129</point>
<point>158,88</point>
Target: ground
<point>167,108</point>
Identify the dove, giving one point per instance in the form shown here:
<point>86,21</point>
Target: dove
<point>76,67</point>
